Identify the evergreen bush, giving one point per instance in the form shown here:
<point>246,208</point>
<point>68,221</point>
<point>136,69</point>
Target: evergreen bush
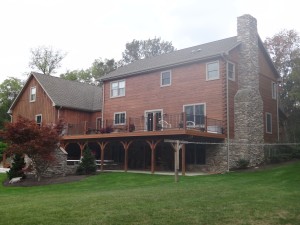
<point>87,164</point>
<point>242,163</point>
<point>17,165</point>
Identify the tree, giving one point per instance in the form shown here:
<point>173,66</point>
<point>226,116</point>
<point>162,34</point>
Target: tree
<point>284,49</point>
<point>87,164</point>
<point>136,50</point>
<point>46,59</point>
<point>9,89</point>
<point>101,67</point>
<point>39,143</point>
<point>83,76</point>
<point>98,69</point>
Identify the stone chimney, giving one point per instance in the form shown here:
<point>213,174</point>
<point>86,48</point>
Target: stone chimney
<point>248,104</point>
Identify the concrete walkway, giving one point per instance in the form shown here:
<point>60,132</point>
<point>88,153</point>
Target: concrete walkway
<point>3,170</point>
<point>158,172</point>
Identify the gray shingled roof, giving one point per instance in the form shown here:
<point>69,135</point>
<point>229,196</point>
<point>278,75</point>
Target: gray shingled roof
<point>71,94</point>
<point>179,57</point>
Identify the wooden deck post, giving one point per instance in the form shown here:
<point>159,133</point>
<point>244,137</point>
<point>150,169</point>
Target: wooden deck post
<point>102,148</point>
<point>126,146</point>
<point>176,146</point>
<point>183,159</point>
<point>153,144</point>
<point>81,146</point>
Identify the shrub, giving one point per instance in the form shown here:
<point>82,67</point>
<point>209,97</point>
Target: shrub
<point>87,164</point>
<point>17,166</point>
<point>242,163</point>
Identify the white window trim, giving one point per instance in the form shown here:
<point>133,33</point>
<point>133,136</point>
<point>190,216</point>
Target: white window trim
<point>195,104</point>
<point>115,118</point>
<point>117,96</point>
<point>161,74</point>
<point>32,100</point>
<point>274,90</point>
<point>233,79</point>
<point>207,70</point>
<point>41,119</point>
<point>268,132</point>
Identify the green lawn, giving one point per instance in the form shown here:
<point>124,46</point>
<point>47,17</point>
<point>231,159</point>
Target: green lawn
<point>265,197</point>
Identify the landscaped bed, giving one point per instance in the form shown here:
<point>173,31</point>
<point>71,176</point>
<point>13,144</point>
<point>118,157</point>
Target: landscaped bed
<point>257,197</point>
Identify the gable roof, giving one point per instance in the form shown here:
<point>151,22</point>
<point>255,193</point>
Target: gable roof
<point>176,58</point>
<point>68,94</point>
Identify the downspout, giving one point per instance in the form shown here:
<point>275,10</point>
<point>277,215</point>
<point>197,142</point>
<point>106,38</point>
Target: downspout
<point>277,102</point>
<point>102,109</point>
<point>227,110</point>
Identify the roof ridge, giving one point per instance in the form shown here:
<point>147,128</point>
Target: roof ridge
<point>66,80</point>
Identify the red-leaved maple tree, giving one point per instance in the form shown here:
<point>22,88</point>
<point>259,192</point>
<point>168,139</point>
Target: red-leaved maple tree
<point>38,142</point>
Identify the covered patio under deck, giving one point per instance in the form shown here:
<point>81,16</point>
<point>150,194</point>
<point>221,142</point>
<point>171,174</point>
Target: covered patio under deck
<point>143,150</point>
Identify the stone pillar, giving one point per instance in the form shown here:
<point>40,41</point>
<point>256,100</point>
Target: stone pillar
<point>248,104</point>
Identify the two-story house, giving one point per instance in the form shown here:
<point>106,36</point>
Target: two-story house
<point>219,99</point>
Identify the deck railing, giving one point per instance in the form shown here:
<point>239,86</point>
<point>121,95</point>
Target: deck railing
<point>155,123</point>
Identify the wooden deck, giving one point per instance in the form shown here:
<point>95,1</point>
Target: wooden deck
<point>147,134</point>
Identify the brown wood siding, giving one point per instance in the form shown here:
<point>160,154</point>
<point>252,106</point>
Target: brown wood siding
<point>188,86</point>
<point>42,105</point>
<point>265,87</point>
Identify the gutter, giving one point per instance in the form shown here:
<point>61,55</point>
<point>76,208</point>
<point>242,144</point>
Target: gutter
<point>160,67</point>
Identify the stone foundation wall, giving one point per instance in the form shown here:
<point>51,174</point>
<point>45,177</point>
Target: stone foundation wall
<point>216,158</point>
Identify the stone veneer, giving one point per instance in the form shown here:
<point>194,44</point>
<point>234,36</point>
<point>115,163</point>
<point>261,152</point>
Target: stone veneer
<point>60,167</point>
<point>248,104</point>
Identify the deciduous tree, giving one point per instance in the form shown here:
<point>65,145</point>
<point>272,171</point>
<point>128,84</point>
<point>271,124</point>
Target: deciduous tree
<point>46,59</point>
<point>91,75</point>
<point>136,50</point>
<point>39,143</point>
<point>9,89</point>
<point>284,49</point>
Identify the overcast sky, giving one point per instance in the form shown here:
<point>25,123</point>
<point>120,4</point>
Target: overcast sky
<point>90,29</point>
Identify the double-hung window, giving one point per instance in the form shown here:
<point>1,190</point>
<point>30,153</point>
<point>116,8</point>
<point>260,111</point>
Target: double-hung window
<point>269,123</point>
<point>165,78</point>
<point>120,118</point>
<point>212,70</point>
<point>38,119</point>
<point>230,71</point>
<point>117,88</point>
<point>195,114</point>
<point>274,90</point>
<point>32,96</point>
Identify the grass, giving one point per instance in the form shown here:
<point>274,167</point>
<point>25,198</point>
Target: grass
<point>262,197</point>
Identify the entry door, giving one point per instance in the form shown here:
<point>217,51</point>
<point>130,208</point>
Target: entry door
<point>152,120</point>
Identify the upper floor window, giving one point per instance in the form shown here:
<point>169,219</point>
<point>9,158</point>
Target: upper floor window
<point>120,118</point>
<point>117,88</point>
<point>165,78</point>
<point>32,94</point>
<point>230,71</point>
<point>269,123</point>
<point>274,90</point>
<point>38,119</point>
<point>212,70</point>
